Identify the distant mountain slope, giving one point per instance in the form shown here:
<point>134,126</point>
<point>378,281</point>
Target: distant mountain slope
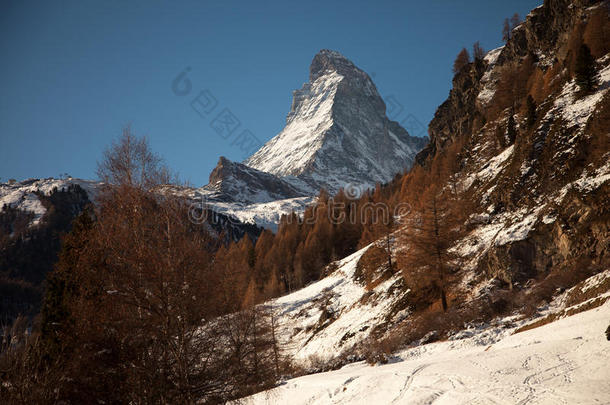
<point>337,132</point>
<point>36,213</point>
<point>235,182</point>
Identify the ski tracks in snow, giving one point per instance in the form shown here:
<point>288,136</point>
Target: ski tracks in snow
<point>408,383</point>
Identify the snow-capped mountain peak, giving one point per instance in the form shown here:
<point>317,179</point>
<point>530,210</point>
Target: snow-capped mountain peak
<point>337,132</point>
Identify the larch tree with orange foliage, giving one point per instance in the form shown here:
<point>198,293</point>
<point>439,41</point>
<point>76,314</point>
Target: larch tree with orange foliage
<point>462,59</point>
<point>147,313</point>
<point>432,229</point>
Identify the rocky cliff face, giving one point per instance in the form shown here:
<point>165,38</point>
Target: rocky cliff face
<point>544,34</point>
<point>546,30</point>
<point>235,182</point>
<point>455,117</point>
<point>544,194</point>
<point>337,132</point>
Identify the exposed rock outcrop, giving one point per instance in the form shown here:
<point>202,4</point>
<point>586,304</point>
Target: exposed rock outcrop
<point>235,182</point>
<point>544,194</point>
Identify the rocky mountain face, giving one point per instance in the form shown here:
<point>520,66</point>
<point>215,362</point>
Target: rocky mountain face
<point>545,192</point>
<point>235,182</point>
<point>336,135</point>
<point>455,117</point>
<point>337,132</point>
<point>545,33</point>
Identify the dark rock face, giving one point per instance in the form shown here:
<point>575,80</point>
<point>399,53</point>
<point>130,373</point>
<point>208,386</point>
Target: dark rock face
<point>578,240</point>
<point>355,86</point>
<point>552,174</point>
<point>327,61</point>
<point>454,118</point>
<point>545,28</point>
<point>236,182</point>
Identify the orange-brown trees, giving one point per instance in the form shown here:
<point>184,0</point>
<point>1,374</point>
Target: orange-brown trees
<point>432,230</point>
<point>144,314</point>
<point>462,59</point>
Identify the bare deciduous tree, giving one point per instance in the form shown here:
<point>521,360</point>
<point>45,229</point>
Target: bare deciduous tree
<point>478,53</point>
<point>139,313</point>
<point>506,30</point>
<point>131,162</point>
<point>515,20</point>
<point>509,25</point>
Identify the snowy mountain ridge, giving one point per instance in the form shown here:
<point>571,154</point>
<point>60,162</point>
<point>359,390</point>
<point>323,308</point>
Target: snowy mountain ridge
<point>235,182</point>
<point>23,195</point>
<point>336,135</point>
<point>337,132</point>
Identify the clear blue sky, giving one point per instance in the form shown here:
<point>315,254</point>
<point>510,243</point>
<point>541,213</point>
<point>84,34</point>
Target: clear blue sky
<point>73,73</point>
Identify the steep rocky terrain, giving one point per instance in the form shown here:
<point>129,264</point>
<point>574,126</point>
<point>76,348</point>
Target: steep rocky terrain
<point>336,136</point>
<point>235,182</point>
<point>543,195</point>
<point>337,132</point>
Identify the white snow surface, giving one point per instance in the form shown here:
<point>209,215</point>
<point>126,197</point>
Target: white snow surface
<point>265,214</point>
<point>575,110</point>
<point>489,78</point>
<point>564,362</point>
<point>294,147</point>
<point>490,169</point>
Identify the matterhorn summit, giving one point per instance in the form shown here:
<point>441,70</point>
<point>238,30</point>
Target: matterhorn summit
<point>337,132</point>
<point>337,135</point>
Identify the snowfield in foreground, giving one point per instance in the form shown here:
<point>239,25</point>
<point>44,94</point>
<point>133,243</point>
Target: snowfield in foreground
<point>564,362</point>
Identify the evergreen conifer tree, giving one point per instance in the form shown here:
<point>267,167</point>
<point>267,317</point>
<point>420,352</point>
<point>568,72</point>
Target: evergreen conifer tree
<point>584,71</point>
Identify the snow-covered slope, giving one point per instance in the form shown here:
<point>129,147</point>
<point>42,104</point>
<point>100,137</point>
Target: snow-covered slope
<point>22,195</point>
<point>332,315</point>
<point>262,207</point>
<point>337,132</point>
<point>565,362</point>
<point>264,214</point>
